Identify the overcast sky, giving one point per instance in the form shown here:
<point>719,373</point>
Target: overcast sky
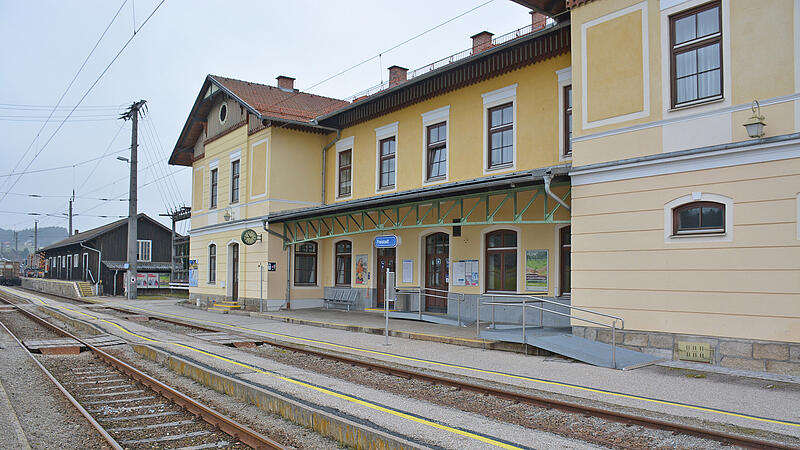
<point>44,44</point>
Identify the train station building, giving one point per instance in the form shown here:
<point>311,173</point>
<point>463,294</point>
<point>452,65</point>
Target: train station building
<point>639,160</point>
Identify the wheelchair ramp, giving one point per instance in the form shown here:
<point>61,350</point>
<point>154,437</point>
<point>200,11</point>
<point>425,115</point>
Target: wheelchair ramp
<point>432,318</point>
<point>562,342</point>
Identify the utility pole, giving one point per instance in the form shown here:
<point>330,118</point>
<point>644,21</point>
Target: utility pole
<point>16,242</point>
<point>71,199</point>
<point>35,236</point>
<point>133,114</point>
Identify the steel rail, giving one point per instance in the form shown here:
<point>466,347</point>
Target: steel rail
<point>96,425</point>
<point>536,400</point>
<point>225,424</point>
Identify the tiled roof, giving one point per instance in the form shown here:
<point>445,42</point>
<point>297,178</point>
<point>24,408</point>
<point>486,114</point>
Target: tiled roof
<point>278,103</point>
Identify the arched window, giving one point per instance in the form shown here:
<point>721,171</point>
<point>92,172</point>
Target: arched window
<point>344,250</point>
<point>212,263</point>
<point>698,218</point>
<point>501,261</point>
<point>305,264</point>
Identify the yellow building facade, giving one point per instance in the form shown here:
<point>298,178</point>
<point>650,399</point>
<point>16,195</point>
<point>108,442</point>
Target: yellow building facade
<point>662,90</point>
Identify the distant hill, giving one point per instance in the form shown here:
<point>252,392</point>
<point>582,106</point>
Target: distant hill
<point>47,236</point>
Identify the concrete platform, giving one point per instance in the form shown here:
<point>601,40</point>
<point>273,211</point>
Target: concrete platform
<point>756,402</point>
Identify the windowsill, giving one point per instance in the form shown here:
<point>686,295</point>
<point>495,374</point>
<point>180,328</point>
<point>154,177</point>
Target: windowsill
<point>306,286</point>
<point>344,197</point>
<point>234,203</point>
<point>386,188</point>
<point>500,167</point>
<point>700,102</point>
<point>212,283</point>
<point>436,179</point>
<point>500,292</point>
<point>342,285</point>
<point>698,234</point>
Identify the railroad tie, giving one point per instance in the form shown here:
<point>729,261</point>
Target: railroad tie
<point>124,400</point>
<point>150,427</point>
<point>165,438</point>
<point>139,416</point>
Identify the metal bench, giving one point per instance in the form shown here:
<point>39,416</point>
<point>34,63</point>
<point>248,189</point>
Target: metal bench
<point>341,297</point>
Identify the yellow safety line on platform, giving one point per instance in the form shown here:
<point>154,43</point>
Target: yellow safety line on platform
<point>301,383</point>
<point>485,371</point>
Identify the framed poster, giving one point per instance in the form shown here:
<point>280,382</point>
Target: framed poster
<point>192,273</point>
<point>163,280</point>
<point>536,270</point>
<point>362,265</point>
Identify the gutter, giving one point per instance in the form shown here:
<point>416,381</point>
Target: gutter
<point>548,177</point>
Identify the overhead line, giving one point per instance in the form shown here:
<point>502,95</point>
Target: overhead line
<point>69,166</point>
<point>87,91</point>
<point>62,98</point>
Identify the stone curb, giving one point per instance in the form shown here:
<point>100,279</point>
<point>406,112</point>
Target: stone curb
<point>342,430</point>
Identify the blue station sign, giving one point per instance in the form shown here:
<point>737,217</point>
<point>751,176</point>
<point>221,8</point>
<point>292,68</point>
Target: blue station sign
<point>385,241</point>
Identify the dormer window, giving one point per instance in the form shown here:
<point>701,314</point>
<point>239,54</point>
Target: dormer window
<point>223,113</point>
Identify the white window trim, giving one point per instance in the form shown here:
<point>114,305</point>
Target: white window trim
<point>490,100</point>
<point>233,157</point>
<point>208,262</point>
<point>219,113</point>
<point>318,282</point>
<point>797,211</point>
<point>556,264</point>
<point>432,118</point>
<point>564,79</point>
<point>666,85</point>
<point>266,169</point>
<point>726,236</point>
<point>139,243</point>
<point>333,260</point>
<point>76,260</point>
<point>211,166</point>
<point>341,146</point>
<point>381,133</point>
<point>645,112</point>
<point>482,260</point>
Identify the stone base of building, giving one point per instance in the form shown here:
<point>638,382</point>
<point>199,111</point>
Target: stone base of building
<point>745,354</point>
<point>55,287</point>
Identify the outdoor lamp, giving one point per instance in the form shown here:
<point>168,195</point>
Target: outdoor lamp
<point>227,215</point>
<point>755,124</point>
<point>122,158</point>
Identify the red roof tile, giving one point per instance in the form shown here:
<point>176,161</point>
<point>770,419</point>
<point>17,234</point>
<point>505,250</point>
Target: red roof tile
<point>278,103</point>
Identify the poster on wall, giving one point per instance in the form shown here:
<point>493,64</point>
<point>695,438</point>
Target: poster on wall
<point>536,270</point>
<point>471,272</point>
<point>459,273</point>
<point>192,273</point>
<point>362,263</point>
<point>408,271</point>
<point>163,280</point>
<point>152,280</point>
<point>141,280</point>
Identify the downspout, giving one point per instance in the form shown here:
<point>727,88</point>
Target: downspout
<point>547,177</point>
<point>325,159</point>
<point>288,261</point>
<point>99,262</point>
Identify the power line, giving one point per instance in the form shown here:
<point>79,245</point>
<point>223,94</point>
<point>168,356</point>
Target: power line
<point>63,196</point>
<point>69,166</point>
<point>63,215</point>
<point>89,177</point>
<point>29,107</point>
<point>88,90</point>
<point>75,77</point>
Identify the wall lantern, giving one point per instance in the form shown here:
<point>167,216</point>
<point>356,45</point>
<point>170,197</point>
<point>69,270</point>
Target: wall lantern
<point>755,124</point>
<point>227,215</point>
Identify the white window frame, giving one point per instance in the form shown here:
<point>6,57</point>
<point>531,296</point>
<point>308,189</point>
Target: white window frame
<point>381,133</point>
<point>724,236</point>
<point>432,118</point>
<point>86,266</point>
<point>219,113</point>
<point>564,79</point>
<point>75,260</point>
<point>491,99</point>
<point>141,245</point>
<point>62,261</point>
<point>342,145</point>
<point>213,165</point>
<point>209,279</point>
<point>670,9</point>
<point>234,157</point>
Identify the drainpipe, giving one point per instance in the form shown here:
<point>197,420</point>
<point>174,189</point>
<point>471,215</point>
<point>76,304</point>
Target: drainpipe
<point>288,261</point>
<point>547,177</point>
<point>325,159</point>
<point>99,261</point>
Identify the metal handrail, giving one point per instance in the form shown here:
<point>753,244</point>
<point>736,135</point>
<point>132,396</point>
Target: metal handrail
<point>458,296</point>
<point>542,310</point>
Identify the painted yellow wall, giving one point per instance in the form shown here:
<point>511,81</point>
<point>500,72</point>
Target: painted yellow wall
<point>615,80</point>
<point>748,287</point>
<point>537,140</point>
<point>295,168</point>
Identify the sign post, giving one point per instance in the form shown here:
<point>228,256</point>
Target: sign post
<point>388,296</point>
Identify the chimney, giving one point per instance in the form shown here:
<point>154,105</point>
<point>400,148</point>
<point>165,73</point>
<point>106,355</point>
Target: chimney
<point>481,41</point>
<point>538,20</point>
<point>286,83</point>
<point>76,231</point>
<point>397,75</point>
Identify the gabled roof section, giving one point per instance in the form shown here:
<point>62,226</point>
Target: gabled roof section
<point>551,8</point>
<point>266,103</point>
<point>95,232</point>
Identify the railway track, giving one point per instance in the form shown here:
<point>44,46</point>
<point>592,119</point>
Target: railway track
<point>127,407</point>
<point>514,396</point>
